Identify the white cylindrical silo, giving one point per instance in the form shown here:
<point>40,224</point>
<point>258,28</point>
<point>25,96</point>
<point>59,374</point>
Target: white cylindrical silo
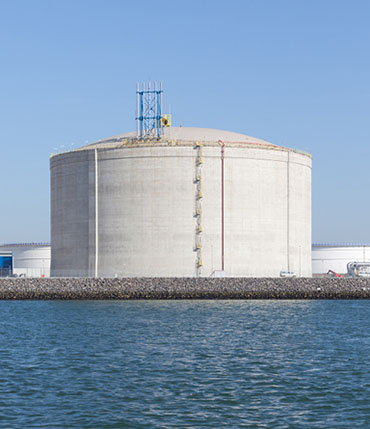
<point>335,257</point>
<point>195,203</point>
<point>30,259</point>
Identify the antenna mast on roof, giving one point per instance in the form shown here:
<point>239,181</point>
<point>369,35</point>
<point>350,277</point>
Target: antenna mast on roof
<point>149,111</point>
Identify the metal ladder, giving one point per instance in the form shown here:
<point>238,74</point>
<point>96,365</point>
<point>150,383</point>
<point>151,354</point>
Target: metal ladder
<point>198,207</point>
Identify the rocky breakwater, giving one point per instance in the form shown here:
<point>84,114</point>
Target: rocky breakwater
<point>183,288</point>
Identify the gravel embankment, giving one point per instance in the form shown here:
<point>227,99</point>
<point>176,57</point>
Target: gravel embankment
<point>184,288</point>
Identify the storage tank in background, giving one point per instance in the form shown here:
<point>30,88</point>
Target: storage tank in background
<point>29,259</point>
<point>196,202</point>
<point>335,257</point>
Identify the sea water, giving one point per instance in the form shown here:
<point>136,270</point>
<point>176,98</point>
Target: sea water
<point>185,364</point>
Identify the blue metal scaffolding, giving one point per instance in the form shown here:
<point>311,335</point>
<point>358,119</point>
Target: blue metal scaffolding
<point>149,111</point>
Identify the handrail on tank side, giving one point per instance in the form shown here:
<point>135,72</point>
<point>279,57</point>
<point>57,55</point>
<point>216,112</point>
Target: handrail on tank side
<point>358,269</point>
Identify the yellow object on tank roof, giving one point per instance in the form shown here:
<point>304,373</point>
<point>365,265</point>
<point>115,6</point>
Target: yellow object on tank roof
<point>166,120</point>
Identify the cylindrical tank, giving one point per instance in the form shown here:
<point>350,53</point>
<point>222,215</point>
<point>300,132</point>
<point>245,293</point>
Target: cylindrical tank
<point>335,257</point>
<point>29,259</point>
<point>197,202</point>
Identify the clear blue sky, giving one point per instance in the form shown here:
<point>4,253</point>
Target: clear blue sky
<point>294,72</point>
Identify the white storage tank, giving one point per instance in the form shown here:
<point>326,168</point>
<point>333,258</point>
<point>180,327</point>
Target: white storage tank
<point>29,259</point>
<point>197,202</point>
<point>335,257</point>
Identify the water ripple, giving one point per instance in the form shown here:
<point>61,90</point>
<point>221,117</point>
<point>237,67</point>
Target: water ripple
<point>273,364</point>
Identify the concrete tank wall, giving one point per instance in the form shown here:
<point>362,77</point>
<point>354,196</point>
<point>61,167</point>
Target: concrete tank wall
<point>72,206</point>
<point>130,211</point>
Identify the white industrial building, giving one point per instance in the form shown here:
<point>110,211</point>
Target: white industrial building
<point>194,202</point>
<point>29,259</point>
<point>335,257</point>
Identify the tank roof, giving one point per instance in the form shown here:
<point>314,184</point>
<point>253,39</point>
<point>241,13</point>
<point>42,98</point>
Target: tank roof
<point>188,134</point>
<point>183,136</point>
<point>5,245</point>
<point>341,245</point>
